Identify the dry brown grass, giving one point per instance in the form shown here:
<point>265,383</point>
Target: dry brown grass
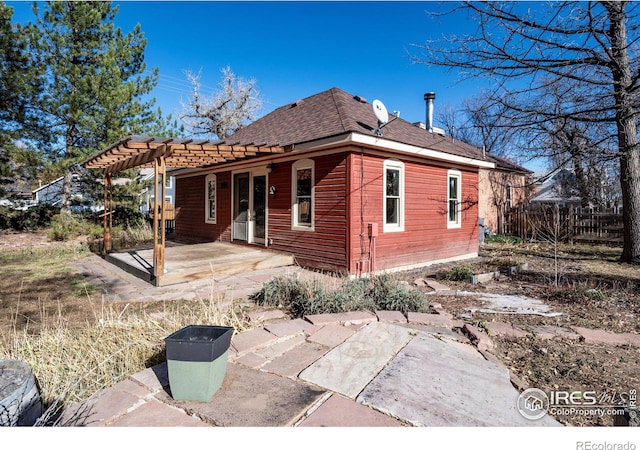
<point>75,343</point>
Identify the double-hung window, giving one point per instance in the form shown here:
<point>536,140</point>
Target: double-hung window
<point>454,196</point>
<point>302,189</point>
<point>393,202</point>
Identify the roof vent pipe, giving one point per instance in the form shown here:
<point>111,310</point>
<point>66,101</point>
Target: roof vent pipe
<point>429,97</point>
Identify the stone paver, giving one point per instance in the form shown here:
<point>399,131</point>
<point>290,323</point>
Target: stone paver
<point>252,340</point>
<point>551,331</point>
<point>331,335</point>
<point>339,411</point>
<point>253,398</point>
<point>154,378</point>
<point>281,347</point>
<point>107,405</point>
<point>437,382</point>
<point>505,329</point>
<point>433,284</point>
<point>350,366</point>
<point>261,316</point>
<point>391,317</point>
<point>156,414</point>
<point>479,339</point>
<point>297,359</point>
<point>438,320</point>
<point>288,327</point>
<point>607,337</point>
<point>347,318</point>
<point>252,360</point>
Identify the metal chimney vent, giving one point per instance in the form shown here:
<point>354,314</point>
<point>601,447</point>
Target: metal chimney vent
<point>429,97</point>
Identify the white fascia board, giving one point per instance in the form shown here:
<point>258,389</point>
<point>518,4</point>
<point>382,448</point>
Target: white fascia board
<point>385,144</point>
<point>376,141</point>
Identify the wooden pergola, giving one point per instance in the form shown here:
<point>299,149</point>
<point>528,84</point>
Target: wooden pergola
<point>162,153</point>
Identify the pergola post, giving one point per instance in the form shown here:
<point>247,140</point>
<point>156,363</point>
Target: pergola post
<point>108,213</point>
<point>159,224</point>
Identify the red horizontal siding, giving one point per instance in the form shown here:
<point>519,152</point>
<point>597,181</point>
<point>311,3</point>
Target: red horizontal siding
<point>325,247</point>
<point>426,236</point>
<point>190,213</point>
<point>334,244</point>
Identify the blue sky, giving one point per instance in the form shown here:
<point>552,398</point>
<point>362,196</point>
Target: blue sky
<point>295,49</point>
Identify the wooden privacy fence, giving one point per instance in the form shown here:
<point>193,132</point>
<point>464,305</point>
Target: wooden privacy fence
<point>573,224</point>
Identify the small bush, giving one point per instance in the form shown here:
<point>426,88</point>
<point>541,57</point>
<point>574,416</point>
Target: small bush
<point>388,294</point>
<point>459,273</point>
<point>64,227</point>
<point>300,298</point>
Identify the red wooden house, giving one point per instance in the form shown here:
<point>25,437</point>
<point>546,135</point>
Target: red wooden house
<point>344,195</point>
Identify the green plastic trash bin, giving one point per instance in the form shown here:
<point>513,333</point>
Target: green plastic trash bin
<point>197,361</point>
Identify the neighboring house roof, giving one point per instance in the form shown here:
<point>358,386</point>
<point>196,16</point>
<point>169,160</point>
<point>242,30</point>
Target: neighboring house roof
<point>552,191</point>
<point>335,112</point>
<point>505,164</point>
<point>49,184</point>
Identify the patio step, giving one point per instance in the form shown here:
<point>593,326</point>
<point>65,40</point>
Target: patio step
<point>226,265</point>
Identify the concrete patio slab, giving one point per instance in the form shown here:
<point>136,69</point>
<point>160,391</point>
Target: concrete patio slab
<point>339,411</point>
<point>349,367</point>
<point>438,382</point>
<point>251,398</point>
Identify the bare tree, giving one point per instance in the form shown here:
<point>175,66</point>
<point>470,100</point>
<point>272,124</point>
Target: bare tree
<point>224,112</point>
<point>586,51</point>
<point>548,224</point>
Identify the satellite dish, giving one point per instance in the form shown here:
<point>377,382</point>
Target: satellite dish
<point>380,111</point>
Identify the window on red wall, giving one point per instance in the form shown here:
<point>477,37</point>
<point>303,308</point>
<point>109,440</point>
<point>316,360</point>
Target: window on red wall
<point>303,190</point>
<point>454,197</point>
<point>393,202</point>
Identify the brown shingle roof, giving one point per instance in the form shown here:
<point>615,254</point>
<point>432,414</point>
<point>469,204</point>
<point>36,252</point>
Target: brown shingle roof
<point>335,112</point>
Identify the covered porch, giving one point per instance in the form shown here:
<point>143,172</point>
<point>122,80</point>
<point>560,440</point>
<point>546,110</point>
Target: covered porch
<point>189,262</point>
<point>164,263</point>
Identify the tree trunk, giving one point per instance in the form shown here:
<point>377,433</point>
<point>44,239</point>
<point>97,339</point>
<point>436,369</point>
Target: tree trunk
<point>626,117</point>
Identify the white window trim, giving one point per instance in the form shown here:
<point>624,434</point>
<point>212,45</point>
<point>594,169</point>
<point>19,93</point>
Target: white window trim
<point>392,228</point>
<point>207,212</point>
<point>298,165</point>
<point>168,183</point>
<point>457,223</point>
